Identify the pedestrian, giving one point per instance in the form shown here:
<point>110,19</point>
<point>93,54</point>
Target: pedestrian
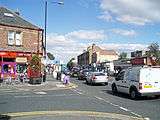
<point>66,79</point>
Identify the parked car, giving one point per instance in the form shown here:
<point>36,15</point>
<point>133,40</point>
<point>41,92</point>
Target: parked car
<point>74,71</point>
<point>97,77</point>
<point>138,81</point>
<point>83,74</point>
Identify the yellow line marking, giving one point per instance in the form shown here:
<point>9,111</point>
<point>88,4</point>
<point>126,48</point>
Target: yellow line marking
<point>74,113</point>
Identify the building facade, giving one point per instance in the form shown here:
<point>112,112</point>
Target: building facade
<point>83,59</point>
<point>19,41</point>
<point>95,54</point>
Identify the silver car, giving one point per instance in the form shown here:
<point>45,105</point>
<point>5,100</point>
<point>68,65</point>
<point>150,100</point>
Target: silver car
<point>97,77</point>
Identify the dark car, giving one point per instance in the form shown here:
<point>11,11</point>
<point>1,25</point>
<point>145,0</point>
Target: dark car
<point>75,71</point>
<point>83,74</point>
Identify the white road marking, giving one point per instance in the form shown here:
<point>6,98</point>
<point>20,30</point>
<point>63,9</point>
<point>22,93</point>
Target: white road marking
<point>120,107</point>
<point>147,118</point>
<point>115,105</point>
<point>99,98</point>
<point>125,109</point>
<point>34,96</point>
<point>136,114</point>
<point>77,91</point>
<point>40,93</point>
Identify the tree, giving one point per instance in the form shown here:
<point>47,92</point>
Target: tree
<point>50,56</point>
<point>71,64</point>
<point>35,63</point>
<point>154,51</point>
<point>123,56</point>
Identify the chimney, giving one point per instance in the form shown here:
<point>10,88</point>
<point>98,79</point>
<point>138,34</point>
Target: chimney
<point>17,12</point>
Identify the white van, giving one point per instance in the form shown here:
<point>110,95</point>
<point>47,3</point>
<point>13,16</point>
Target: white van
<point>138,81</point>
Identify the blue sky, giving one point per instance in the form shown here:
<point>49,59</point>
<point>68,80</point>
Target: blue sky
<point>122,25</point>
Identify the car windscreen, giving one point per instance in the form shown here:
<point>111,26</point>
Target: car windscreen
<point>99,74</point>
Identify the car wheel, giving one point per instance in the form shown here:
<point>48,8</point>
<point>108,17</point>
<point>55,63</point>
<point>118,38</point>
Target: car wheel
<point>133,94</point>
<point>157,96</point>
<point>91,83</point>
<point>86,82</point>
<point>106,83</point>
<point>114,89</point>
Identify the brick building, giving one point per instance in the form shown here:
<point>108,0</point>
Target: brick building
<point>19,40</point>
<point>95,54</point>
<point>83,59</point>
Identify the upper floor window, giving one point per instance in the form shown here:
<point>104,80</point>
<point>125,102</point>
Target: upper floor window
<point>18,38</point>
<point>10,38</point>
<point>14,38</point>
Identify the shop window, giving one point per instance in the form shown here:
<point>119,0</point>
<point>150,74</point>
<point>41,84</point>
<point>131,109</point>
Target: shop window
<point>18,39</point>
<point>21,68</point>
<point>10,38</point>
<point>6,68</point>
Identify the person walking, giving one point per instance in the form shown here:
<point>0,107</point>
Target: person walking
<point>66,79</point>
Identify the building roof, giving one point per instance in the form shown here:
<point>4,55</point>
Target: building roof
<point>107,52</point>
<point>9,18</point>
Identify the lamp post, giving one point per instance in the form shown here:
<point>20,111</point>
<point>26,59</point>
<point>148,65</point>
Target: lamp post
<point>45,27</point>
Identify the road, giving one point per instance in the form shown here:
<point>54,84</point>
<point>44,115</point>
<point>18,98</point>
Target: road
<point>96,98</point>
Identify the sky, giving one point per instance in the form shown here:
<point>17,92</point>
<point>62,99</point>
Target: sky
<point>120,25</point>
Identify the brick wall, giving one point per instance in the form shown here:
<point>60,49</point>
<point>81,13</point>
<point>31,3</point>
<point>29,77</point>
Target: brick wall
<point>30,39</point>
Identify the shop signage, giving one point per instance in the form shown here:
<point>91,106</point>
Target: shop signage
<point>23,54</point>
<point>21,59</point>
<point>8,54</point>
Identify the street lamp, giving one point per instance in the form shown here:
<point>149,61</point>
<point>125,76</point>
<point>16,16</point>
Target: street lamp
<point>45,29</point>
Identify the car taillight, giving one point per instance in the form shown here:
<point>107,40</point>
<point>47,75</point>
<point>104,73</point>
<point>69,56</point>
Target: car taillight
<point>140,86</point>
<point>94,77</point>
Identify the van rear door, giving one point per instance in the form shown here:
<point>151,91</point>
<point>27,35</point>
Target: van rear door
<point>149,77</point>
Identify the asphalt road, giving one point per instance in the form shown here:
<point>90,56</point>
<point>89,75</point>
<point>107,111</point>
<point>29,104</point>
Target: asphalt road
<point>96,98</point>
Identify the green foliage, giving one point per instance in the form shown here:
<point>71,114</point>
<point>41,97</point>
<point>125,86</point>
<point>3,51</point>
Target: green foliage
<point>71,64</point>
<point>35,63</point>
<point>50,56</point>
<point>123,56</point>
<point>154,52</point>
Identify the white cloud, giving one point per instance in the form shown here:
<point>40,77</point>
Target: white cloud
<point>87,35</point>
<point>72,44</point>
<point>124,32</point>
<point>124,47</point>
<point>138,12</point>
<point>66,46</point>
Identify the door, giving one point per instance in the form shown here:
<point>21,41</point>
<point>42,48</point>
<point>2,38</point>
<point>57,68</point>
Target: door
<point>119,81</point>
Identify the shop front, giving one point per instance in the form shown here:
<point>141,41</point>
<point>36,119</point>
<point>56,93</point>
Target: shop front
<point>13,64</point>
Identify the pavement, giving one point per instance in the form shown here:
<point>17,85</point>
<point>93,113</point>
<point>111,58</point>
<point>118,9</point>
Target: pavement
<point>50,84</point>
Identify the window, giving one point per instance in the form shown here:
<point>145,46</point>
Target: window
<point>10,38</point>
<point>121,75</point>
<point>18,38</point>
<point>14,38</point>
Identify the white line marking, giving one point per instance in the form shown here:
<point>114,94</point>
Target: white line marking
<point>34,96</point>
<point>136,114</point>
<point>99,98</point>
<point>125,109</point>
<point>40,93</point>
<point>80,93</point>
<point>147,118</point>
<point>122,108</point>
<point>114,105</point>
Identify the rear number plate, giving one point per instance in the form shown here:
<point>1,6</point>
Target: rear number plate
<point>147,86</point>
